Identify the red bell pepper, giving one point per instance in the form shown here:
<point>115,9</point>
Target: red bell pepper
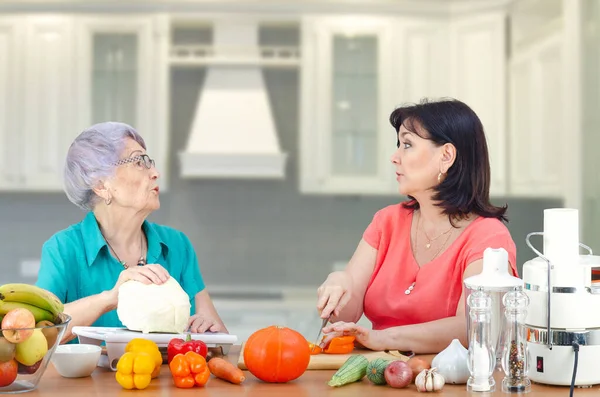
<point>180,346</point>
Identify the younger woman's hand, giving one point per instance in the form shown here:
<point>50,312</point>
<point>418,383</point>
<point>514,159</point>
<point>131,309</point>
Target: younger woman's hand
<point>370,339</point>
<point>334,294</point>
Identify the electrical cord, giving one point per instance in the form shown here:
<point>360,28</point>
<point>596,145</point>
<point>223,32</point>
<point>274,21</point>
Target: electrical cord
<point>576,350</point>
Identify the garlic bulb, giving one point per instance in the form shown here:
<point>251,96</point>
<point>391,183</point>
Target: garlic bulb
<point>452,363</point>
<point>429,380</point>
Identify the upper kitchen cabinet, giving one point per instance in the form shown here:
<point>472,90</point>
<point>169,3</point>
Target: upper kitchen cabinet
<point>61,74</point>
<point>37,100</point>
<point>421,67</point>
<point>49,101</point>
<point>355,71</point>
<point>478,78</point>
<point>123,76</point>
<point>346,97</point>
<point>538,102</point>
<point>10,69</point>
<point>536,120</point>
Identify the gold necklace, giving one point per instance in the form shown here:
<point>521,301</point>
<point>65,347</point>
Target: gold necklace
<point>412,286</point>
<point>442,247</point>
<point>429,240</point>
<point>417,241</point>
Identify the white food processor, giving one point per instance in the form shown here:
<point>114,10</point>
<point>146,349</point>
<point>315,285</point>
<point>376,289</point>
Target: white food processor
<point>563,318</point>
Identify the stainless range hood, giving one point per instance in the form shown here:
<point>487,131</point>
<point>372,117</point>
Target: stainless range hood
<point>233,133</point>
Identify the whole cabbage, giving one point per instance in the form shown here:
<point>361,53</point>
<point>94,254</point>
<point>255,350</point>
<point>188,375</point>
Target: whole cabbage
<point>153,308</point>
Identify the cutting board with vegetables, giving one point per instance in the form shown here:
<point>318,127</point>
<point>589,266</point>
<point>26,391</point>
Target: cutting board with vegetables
<point>335,361</point>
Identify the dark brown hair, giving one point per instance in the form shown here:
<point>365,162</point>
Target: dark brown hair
<point>466,187</point>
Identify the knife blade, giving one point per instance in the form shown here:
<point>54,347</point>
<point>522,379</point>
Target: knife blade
<point>323,324</point>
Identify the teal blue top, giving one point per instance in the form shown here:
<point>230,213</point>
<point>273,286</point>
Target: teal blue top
<point>77,263</point>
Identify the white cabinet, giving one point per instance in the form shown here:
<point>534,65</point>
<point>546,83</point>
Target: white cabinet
<point>49,103</point>
<point>347,95</point>
<point>355,71</point>
<point>10,131</point>
<point>421,60</point>
<point>36,100</point>
<point>537,122</point>
<point>123,76</point>
<point>61,74</point>
<point>478,78</point>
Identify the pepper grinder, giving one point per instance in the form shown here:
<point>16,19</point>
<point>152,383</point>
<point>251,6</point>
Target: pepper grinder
<point>482,358</point>
<point>514,355</point>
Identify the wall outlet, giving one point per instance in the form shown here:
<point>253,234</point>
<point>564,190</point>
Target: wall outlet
<point>30,268</point>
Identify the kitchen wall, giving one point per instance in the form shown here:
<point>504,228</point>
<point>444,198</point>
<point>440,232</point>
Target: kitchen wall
<point>246,233</point>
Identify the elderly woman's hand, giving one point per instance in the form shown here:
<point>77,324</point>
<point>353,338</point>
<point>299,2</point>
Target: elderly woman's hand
<point>200,323</point>
<point>370,339</point>
<point>148,274</point>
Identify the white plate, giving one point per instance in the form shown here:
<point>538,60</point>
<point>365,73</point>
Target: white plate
<point>117,338</point>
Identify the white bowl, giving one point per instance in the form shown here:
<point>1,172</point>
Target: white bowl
<point>76,361</point>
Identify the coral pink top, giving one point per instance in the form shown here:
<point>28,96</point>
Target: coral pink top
<point>438,284</point>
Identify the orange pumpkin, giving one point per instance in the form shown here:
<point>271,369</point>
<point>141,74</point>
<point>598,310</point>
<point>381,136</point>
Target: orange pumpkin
<point>276,354</point>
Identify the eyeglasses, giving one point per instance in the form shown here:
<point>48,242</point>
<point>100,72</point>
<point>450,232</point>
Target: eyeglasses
<point>138,160</point>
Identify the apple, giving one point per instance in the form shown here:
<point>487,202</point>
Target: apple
<point>51,334</point>
<point>15,323</point>
<point>33,349</point>
<point>7,350</point>
<point>29,369</point>
<point>8,372</point>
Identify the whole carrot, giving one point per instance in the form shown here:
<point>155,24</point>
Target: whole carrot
<point>223,369</point>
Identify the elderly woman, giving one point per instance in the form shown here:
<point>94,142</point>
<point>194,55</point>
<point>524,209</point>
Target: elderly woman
<point>109,174</point>
<point>407,272</point>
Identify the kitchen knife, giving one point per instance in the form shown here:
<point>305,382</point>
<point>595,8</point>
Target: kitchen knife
<point>323,324</point>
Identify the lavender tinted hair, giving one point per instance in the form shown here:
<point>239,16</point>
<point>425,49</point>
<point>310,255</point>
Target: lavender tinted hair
<point>90,159</point>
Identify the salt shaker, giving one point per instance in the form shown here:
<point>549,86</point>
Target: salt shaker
<point>514,355</point>
<point>482,358</point>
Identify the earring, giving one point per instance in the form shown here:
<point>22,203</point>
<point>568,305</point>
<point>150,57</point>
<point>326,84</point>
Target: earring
<point>108,201</point>
<point>440,177</point>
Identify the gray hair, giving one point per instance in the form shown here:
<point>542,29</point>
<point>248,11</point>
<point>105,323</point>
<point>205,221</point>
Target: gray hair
<point>91,158</point>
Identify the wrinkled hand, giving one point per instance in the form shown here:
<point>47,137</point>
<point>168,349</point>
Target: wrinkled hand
<point>148,274</point>
<point>370,339</point>
<point>334,294</point>
<point>200,323</point>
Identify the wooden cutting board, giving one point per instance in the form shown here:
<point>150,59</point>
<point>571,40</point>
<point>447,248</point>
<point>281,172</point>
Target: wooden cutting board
<point>335,361</point>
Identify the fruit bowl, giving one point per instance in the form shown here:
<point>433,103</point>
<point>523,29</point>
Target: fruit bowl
<point>23,364</point>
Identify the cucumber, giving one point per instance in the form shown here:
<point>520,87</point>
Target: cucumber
<point>376,369</point>
<point>354,369</point>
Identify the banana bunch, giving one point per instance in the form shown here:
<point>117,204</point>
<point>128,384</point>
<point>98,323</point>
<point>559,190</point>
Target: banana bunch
<point>43,304</point>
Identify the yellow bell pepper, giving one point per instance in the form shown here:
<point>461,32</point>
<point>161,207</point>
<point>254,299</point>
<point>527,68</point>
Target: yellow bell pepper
<point>134,370</point>
<point>146,346</point>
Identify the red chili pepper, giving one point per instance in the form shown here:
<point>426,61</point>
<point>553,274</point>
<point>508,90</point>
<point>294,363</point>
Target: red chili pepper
<point>180,346</point>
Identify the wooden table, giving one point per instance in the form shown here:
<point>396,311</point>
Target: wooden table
<point>312,383</point>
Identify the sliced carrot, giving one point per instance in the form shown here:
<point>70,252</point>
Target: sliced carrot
<point>314,349</point>
<point>223,369</point>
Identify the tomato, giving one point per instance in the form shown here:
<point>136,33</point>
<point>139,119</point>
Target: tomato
<point>8,372</point>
